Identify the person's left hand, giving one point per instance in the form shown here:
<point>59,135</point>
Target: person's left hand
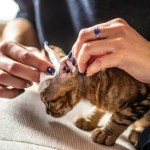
<point>19,67</point>
<point>118,45</point>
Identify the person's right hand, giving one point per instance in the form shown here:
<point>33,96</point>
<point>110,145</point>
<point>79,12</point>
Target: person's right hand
<point>118,45</point>
<point>19,67</point>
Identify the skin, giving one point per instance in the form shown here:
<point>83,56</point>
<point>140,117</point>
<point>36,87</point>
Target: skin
<point>118,45</point>
<point>20,59</point>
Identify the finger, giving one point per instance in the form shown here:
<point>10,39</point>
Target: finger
<point>10,80</point>
<point>24,56</point>
<point>19,70</point>
<point>107,61</point>
<point>34,51</point>
<point>10,93</point>
<point>86,35</point>
<point>99,47</point>
<point>109,29</point>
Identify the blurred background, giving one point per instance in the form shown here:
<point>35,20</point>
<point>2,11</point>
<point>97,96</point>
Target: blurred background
<point>8,10</point>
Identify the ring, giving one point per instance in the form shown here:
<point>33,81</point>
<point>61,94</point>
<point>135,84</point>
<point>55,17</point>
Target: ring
<point>97,32</point>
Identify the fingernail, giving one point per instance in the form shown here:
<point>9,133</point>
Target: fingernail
<point>51,70</point>
<point>73,61</point>
<point>69,55</point>
<point>21,91</point>
<point>29,84</point>
<point>85,73</point>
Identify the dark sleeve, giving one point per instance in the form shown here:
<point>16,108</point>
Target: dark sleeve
<point>26,10</point>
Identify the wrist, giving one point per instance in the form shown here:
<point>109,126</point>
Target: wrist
<point>22,31</point>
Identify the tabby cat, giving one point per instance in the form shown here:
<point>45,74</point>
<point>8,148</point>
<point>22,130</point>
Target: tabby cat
<point>112,90</point>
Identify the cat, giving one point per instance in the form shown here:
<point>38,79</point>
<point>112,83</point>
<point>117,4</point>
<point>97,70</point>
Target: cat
<point>112,90</point>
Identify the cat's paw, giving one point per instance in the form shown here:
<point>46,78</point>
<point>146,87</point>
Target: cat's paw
<point>101,137</point>
<point>133,137</point>
<point>84,123</point>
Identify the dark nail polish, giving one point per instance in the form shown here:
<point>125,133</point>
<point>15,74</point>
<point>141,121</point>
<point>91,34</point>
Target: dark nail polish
<point>29,84</point>
<point>21,91</point>
<point>73,61</point>
<point>69,55</point>
<point>84,73</point>
<point>51,70</point>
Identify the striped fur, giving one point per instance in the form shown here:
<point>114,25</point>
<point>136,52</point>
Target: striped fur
<point>112,90</point>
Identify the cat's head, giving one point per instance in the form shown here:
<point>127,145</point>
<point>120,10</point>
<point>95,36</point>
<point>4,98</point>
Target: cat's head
<point>63,92</point>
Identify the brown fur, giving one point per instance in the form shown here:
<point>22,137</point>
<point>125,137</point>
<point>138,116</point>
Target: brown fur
<point>112,90</point>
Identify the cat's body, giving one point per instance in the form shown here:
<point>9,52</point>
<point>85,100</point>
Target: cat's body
<point>112,90</point>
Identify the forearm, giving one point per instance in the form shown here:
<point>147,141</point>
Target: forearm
<point>21,31</point>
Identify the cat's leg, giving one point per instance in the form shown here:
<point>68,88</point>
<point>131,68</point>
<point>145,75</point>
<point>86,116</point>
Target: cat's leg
<point>90,121</point>
<point>119,121</point>
<point>138,127</point>
<point>134,136</point>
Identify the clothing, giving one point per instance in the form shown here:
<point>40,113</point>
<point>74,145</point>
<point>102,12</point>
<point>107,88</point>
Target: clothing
<point>144,140</point>
<point>59,21</point>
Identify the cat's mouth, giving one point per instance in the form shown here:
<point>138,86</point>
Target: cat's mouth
<point>58,114</point>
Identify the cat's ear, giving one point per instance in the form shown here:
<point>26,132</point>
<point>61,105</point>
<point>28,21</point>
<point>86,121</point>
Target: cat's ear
<point>60,53</point>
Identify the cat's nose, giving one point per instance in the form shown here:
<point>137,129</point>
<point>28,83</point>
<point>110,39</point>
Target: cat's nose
<point>53,114</point>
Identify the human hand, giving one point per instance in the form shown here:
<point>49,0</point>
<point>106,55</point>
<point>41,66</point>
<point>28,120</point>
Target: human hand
<point>19,67</point>
<point>118,45</point>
